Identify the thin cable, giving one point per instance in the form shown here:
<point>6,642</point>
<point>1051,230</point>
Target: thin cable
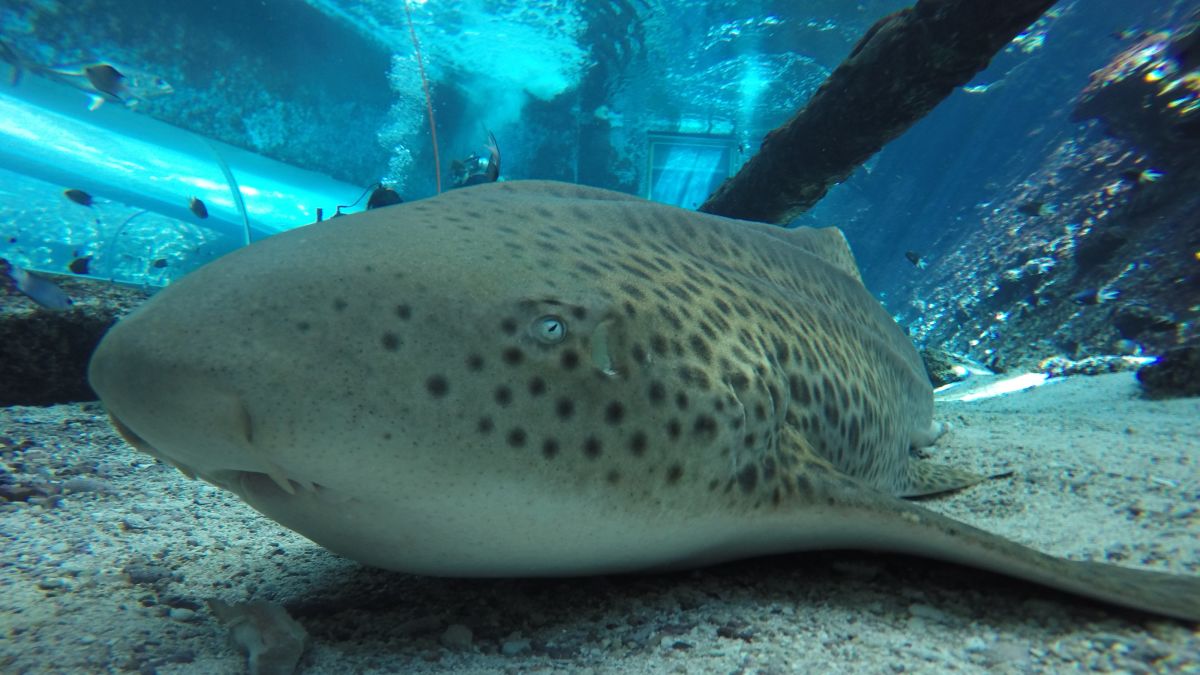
<point>234,190</point>
<point>437,162</point>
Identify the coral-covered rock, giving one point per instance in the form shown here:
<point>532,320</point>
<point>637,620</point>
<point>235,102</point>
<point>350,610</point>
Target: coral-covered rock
<point>1150,94</point>
<point>44,353</point>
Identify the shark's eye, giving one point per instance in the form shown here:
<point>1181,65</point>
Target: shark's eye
<point>550,329</point>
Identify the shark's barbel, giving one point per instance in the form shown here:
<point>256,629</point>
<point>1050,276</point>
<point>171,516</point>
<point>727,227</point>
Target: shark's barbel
<point>533,378</point>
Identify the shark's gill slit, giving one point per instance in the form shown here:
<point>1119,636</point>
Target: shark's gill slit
<point>601,357</point>
<point>244,423</point>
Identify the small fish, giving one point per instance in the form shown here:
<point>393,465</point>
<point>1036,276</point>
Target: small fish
<point>383,196</point>
<point>1130,33</point>
<point>101,81</point>
<point>1096,296</point>
<point>39,289</point>
<point>105,79</point>
<point>1149,176</point>
<point>10,56</point>
<point>197,208</point>
<point>80,265</point>
<point>78,196</point>
<point>1034,208</point>
<point>916,259</point>
<point>104,82</point>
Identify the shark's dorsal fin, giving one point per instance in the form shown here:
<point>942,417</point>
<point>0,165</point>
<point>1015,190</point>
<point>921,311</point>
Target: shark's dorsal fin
<point>827,243</point>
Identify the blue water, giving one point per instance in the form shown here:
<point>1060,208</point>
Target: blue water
<point>573,91</point>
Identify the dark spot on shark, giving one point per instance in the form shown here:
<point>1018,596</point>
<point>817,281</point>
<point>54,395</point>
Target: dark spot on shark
<point>674,473</point>
<point>537,386</point>
<point>512,356</point>
<point>614,412</point>
<point>564,408</point>
<point>437,386</point>
<point>569,359</point>
<point>516,437</point>
<point>637,443</point>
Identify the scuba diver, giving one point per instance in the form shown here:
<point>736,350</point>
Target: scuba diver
<point>381,195</point>
<point>474,169</point>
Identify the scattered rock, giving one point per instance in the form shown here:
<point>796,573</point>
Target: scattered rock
<point>140,573</point>
<point>515,645</point>
<point>1127,95</point>
<point>273,640</point>
<point>44,353</point>
<point>1174,374</point>
<point>1097,249</point>
<point>942,367</point>
<point>82,484</point>
<point>1133,319</point>
<point>1059,366</point>
<point>457,636</point>
<point>180,614</point>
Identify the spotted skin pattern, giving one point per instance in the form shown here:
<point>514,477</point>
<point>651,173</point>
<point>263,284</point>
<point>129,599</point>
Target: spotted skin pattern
<point>534,378</point>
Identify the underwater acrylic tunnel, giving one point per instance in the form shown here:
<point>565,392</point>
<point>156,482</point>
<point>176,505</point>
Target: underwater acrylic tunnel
<point>48,133</point>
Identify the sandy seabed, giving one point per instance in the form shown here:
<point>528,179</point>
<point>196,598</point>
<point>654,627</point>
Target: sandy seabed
<point>109,556</point>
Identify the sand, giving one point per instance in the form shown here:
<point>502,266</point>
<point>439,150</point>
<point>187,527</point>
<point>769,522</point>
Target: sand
<point>108,564</point>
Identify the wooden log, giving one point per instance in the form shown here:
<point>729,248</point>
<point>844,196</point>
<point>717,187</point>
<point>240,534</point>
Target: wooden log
<point>902,67</point>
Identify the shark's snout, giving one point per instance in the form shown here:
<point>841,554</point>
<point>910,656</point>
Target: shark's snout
<point>179,411</point>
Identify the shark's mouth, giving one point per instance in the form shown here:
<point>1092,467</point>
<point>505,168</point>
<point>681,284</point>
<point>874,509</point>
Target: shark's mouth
<point>130,436</point>
<point>272,480</point>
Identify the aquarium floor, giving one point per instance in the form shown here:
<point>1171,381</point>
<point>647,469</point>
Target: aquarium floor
<point>108,565</point>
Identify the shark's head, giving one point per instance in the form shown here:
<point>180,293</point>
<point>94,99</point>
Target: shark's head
<point>450,369</point>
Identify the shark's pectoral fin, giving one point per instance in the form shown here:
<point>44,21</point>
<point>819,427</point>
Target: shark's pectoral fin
<point>886,523</point>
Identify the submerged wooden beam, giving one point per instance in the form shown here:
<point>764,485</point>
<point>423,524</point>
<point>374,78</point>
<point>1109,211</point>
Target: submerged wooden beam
<point>901,68</point>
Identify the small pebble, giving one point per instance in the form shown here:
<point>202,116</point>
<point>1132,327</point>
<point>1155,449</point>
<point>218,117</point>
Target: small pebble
<point>146,574</point>
<point>515,645</point>
<point>975,644</point>
<point>80,484</point>
<point>135,523</point>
